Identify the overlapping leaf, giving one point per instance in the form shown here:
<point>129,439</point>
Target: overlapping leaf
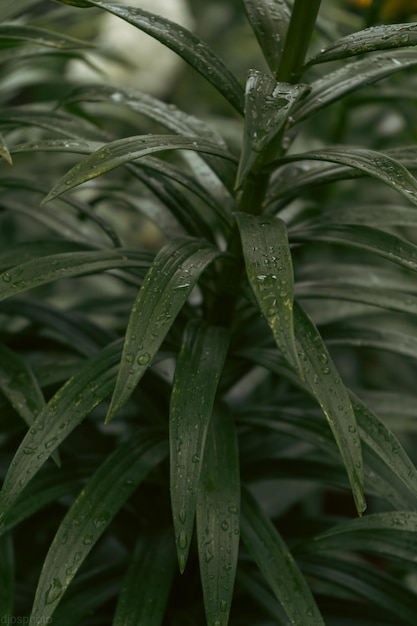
<point>25,33</point>
<point>218,509</point>
<point>164,292</point>
<point>87,519</point>
<point>199,367</point>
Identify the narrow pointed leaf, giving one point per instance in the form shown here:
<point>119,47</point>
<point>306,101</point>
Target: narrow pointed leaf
<point>218,515</point>
<point>277,565</point>
<point>375,164</point>
<point>4,151</point>
<point>87,519</point>
<point>64,411</point>
<point>199,367</point>
<point>41,36</point>
<point>270,273</point>
<point>164,292</point>
<point>268,105</point>
<point>126,150</point>
<point>386,245</point>
<point>390,534</point>
<point>66,265</point>
<point>149,579</point>
<point>269,20</point>
<point>325,384</point>
<point>189,47</point>
<point>351,77</point>
<point>380,37</point>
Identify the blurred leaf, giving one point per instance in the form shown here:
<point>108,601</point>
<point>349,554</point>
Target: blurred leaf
<point>102,497</point>
<point>49,119</point>
<point>7,577</point>
<point>351,77</point>
<point>218,509</point>
<point>149,578</point>
<point>270,273</point>
<point>66,265</point>
<point>380,37</point>
<point>164,292</point>
<point>125,150</point>
<point>269,20</point>
<point>4,151</point>
<point>390,535</point>
<point>371,162</point>
<point>23,32</point>
<point>277,565</point>
<point>64,411</point>
<point>268,105</point>
<point>197,374</point>
<point>325,384</point>
<point>194,51</point>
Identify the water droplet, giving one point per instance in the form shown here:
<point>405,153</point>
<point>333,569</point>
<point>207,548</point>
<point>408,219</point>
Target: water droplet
<point>129,357</point>
<point>182,540</point>
<point>143,359</point>
<point>88,540</point>
<point>6,277</point>
<point>224,525</point>
<point>182,515</point>
<point>233,509</point>
<point>223,606</point>
<point>54,592</point>
<point>195,458</point>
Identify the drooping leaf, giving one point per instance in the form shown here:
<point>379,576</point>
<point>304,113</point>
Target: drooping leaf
<point>325,384</point>
<point>123,151</point>
<point>375,164</point>
<point>199,367</point>
<point>189,47</point>
<point>164,292</point>
<point>270,273</point>
<point>218,509</point>
<point>66,265</point>
<point>97,504</point>
<point>351,77</point>
<point>277,565</point>
<point>380,37</point>
<point>149,579</point>
<point>41,36</point>
<point>64,411</point>
<point>268,105</point>
<point>269,20</point>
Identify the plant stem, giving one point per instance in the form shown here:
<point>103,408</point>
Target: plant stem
<point>297,41</point>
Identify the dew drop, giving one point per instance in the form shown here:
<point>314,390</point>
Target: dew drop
<point>129,357</point>
<point>6,277</point>
<point>144,358</point>
<point>182,540</point>
<point>54,592</point>
<point>224,525</point>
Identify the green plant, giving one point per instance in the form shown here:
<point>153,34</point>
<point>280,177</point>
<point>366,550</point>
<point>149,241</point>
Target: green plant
<point>260,364</point>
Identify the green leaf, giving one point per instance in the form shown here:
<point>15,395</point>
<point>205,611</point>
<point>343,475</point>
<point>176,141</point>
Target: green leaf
<point>194,51</point>
<point>197,374</point>
<point>389,535</point>
<point>277,565</point>
<point>7,577</point>
<point>126,150</point>
<point>66,265</point>
<point>380,37</point>
<point>64,411</point>
<point>4,151</point>
<point>218,509</point>
<point>270,273</point>
<point>351,77</point>
<point>40,36</point>
<point>269,20</point>
<point>164,292</point>
<point>87,519</point>
<point>325,384</point>
<point>375,164</point>
<point>268,105</point>
<point>148,581</point>
<point>386,245</point>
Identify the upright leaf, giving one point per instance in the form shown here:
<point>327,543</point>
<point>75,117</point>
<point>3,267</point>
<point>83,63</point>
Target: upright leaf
<point>277,565</point>
<point>269,20</point>
<point>199,367</point>
<point>87,519</point>
<point>270,273</point>
<point>325,384</point>
<point>218,510</point>
<point>164,292</point>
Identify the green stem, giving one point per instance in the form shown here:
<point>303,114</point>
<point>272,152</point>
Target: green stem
<point>297,41</point>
